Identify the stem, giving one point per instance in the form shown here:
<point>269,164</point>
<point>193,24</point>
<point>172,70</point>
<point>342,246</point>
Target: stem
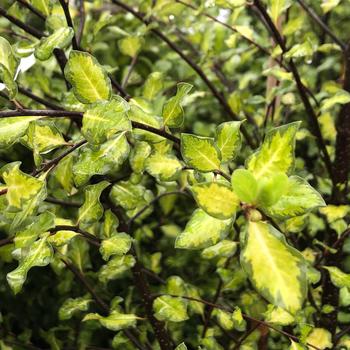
<point>82,21</point>
<point>38,99</point>
<point>32,9</point>
<point>65,8</point>
<point>131,68</point>
<point>104,307</point>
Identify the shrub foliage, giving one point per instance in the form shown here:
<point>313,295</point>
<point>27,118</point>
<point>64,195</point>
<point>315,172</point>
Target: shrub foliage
<point>174,174</point>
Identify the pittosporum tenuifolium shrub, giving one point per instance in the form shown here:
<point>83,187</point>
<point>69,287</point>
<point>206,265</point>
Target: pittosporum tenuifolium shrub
<point>174,174</point>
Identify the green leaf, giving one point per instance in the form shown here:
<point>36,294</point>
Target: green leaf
<point>276,8</point>
<point>200,152</point>
<point>239,322</point>
<point>62,237</point>
<point>42,5</point>
<point>115,321</point>
<point>12,128</point>
<point>105,119</point>
<point>41,223</point>
<point>110,224</point>
<point>271,189</point>
<point>328,5</point>
<point>181,346</point>
<point>228,139</point>
<point>202,231</point>
<point>117,244</point>
<point>116,267</point>
<point>101,160</point>
<point>171,309</point>
<point>224,319</point>
<point>216,199</point>
<point>128,195</point>
<point>277,270</point>
<point>279,316</point>
<point>296,346</point>
<point>89,80</point>
<point>341,97</point>
<point>92,209</point>
<point>245,185</point>
<point>338,277</point>
<point>224,248</point>
<point>138,156</point>
<point>298,199</point>
<point>164,167</point>
<point>276,153</point>
<point>321,338</point>
<point>38,254</point>
<point>130,45</point>
<point>60,39</point>
<point>7,57</point>
<point>63,173</point>
<point>153,85</point>
<point>173,114</point>
<point>21,187</point>
<point>72,306</point>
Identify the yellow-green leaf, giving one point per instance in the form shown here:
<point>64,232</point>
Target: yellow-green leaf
<point>169,308</point>
<point>172,110</point>
<point>276,152</point>
<point>72,306</point>
<point>60,39</point>
<point>216,199</point>
<point>117,244</point>
<point>200,153</point>
<point>228,139</point>
<point>89,80</point>
<point>105,119</point>
<point>338,277</point>
<point>202,231</point>
<point>165,167</point>
<point>115,321</point>
<point>277,270</point>
<point>321,338</point>
<point>299,198</point>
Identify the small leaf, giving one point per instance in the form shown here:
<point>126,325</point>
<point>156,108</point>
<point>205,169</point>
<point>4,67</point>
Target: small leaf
<point>239,322</point>
<point>21,188</point>
<point>101,160</point>
<point>12,128</point>
<point>116,267</point>
<point>224,248</point>
<point>153,85</point>
<point>202,231</point>
<point>92,209</point>
<point>276,152</point>
<point>38,254</point>
<point>89,80</point>
<point>115,321</point>
<point>130,45</point>
<point>41,223</point>
<point>276,8</point>
<point>298,199</point>
<point>341,97</point>
<point>271,189</point>
<point>277,270</point>
<point>181,346</point>
<point>117,244</point>
<point>169,308</point>
<point>216,199</point>
<point>200,152</point>
<point>138,156</point>
<point>72,306</point>
<point>277,315</point>
<point>245,185</point>
<point>328,5</point>
<point>165,167</point>
<point>224,319</point>
<point>62,237</point>
<point>228,138</point>
<point>105,119</point>
<point>60,39</point>
<point>338,277</point>
<point>172,110</point>
<point>320,338</point>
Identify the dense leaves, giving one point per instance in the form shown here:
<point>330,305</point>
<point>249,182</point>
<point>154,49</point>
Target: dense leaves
<point>174,174</point>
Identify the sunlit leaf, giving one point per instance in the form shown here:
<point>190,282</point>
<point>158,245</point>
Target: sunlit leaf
<point>169,308</point>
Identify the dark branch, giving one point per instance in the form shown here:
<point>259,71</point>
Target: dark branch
<point>65,8</point>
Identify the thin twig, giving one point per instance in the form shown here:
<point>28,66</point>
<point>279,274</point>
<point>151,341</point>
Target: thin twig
<point>321,23</point>
<point>32,9</point>
<point>219,97</point>
<point>82,18</point>
<point>131,68</point>
<point>65,8</point>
